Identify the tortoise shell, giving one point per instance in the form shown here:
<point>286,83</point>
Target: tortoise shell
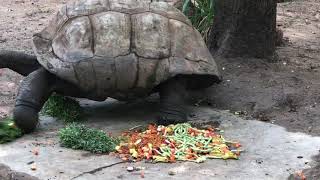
<point>123,48</point>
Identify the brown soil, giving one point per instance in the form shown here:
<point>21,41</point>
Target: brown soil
<point>285,92</point>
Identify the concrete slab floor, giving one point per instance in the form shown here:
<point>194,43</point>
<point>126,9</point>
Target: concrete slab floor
<point>270,151</point>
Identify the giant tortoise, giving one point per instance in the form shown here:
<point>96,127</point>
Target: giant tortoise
<point>124,49</point>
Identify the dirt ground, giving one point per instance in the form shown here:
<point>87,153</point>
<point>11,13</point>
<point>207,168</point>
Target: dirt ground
<point>284,92</point>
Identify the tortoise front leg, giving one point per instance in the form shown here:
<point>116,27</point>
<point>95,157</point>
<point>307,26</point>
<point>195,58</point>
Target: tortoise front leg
<point>34,91</point>
<point>19,62</point>
<point>172,102</point>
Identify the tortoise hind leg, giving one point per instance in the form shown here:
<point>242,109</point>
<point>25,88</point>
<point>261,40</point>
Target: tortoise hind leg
<point>172,102</point>
<point>34,91</point>
<point>19,62</point>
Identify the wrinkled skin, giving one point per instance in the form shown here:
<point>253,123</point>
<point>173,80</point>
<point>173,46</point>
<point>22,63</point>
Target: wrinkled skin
<point>39,84</point>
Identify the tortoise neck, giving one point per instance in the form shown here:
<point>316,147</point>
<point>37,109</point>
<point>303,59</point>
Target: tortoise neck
<point>19,62</point>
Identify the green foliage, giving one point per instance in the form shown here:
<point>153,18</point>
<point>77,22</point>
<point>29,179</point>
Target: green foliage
<point>78,136</point>
<point>63,108</point>
<point>201,13</point>
<point>8,131</point>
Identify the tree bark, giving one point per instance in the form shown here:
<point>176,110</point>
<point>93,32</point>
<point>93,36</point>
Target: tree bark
<point>244,28</point>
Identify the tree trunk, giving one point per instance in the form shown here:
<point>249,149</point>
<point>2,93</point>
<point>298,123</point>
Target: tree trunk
<point>244,28</point>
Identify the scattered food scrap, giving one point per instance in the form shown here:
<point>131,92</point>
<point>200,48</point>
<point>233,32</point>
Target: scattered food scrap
<point>35,151</point>
<point>33,167</point>
<point>301,175</point>
<point>180,142</point>
<point>142,174</point>
<point>241,113</point>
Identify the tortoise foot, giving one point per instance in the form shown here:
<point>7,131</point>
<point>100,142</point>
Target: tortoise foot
<point>167,117</point>
<point>26,118</point>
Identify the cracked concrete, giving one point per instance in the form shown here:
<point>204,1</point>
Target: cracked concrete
<point>270,151</point>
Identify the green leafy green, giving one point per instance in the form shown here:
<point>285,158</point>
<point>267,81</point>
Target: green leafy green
<point>78,136</point>
<point>63,108</point>
<point>8,131</point>
<point>201,13</point>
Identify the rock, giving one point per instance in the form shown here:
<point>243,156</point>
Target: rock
<point>172,172</point>
<point>130,168</point>
<point>7,174</point>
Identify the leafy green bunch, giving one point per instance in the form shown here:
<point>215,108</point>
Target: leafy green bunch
<point>8,131</point>
<point>63,108</point>
<point>78,136</point>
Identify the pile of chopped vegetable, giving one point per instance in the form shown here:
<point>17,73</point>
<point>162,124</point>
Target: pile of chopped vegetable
<point>179,142</point>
